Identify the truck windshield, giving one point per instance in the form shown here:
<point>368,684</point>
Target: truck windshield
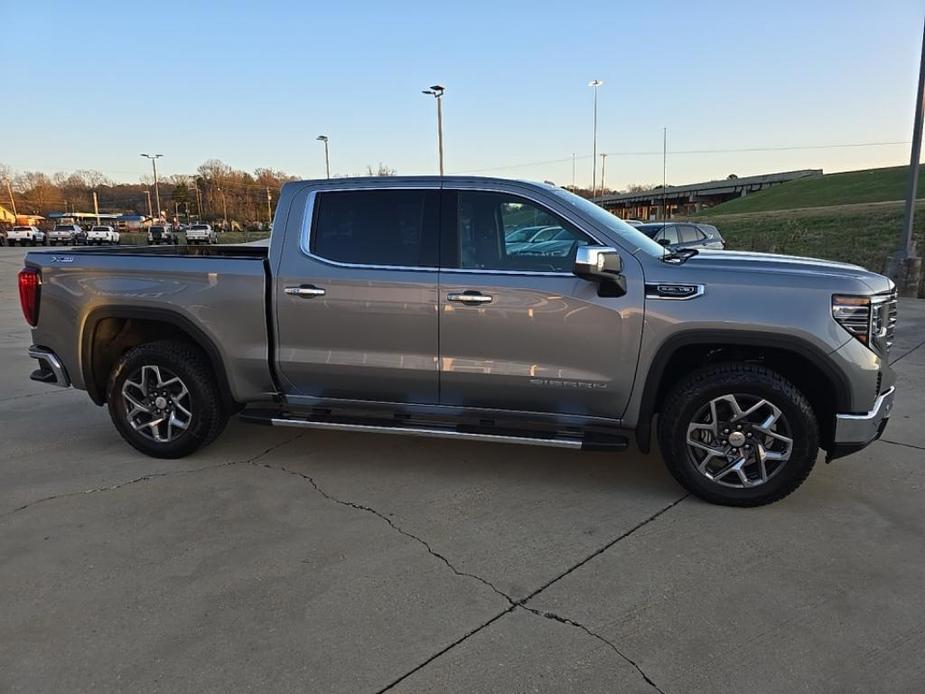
<point>634,238</point>
<point>199,227</point>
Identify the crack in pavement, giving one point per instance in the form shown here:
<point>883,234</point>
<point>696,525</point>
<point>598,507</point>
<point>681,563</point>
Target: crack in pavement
<point>900,443</point>
<point>514,604</point>
<point>379,514</point>
<point>558,618</point>
<point>145,478</point>
<point>906,354</point>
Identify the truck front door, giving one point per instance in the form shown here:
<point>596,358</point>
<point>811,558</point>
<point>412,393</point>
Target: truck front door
<point>356,305</point>
<point>518,330</point>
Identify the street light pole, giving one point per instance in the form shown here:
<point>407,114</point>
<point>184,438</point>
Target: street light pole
<point>327,160</point>
<point>150,211</point>
<point>436,91</point>
<point>594,84</point>
<point>603,165</point>
<point>157,192</point>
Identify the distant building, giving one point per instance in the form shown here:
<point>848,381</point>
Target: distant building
<point>665,203</point>
<point>123,221</point>
<point>7,217</point>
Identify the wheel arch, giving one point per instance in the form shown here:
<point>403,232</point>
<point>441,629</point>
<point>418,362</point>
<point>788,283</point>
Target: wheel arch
<point>794,358</point>
<point>138,325</point>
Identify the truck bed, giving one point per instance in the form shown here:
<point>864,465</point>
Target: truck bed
<point>218,292</point>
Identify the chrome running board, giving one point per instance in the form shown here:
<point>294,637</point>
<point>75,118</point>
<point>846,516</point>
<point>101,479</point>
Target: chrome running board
<point>578,442</point>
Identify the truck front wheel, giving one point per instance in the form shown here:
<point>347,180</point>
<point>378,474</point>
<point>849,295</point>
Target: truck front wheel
<point>738,434</point>
<point>163,399</point>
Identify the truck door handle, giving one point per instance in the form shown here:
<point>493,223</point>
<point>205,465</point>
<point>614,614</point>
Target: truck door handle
<point>306,291</point>
<point>470,297</point>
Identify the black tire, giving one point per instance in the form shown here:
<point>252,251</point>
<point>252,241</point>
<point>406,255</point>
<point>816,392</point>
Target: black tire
<point>695,392</point>
<point>190,364</point>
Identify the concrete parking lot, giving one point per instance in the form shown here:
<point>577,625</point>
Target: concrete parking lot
<point>277,560</point>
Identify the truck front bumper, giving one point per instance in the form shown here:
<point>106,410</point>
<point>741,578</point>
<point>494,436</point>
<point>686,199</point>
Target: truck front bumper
<point>855,431</point>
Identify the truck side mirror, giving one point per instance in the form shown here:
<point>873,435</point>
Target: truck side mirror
<point>597,263</point>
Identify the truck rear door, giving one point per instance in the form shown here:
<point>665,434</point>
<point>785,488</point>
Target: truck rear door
<point>356,298</point>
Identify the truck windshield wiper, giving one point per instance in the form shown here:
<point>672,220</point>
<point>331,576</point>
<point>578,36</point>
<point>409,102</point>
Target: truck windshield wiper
<point>680,256</point>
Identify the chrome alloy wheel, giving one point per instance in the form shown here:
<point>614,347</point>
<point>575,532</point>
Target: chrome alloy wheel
<point>157,403</point>
<point>739,441</point>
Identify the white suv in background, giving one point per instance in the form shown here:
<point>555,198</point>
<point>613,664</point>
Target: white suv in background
<point>26,236</point>
<point>102,234</point>
<point>201,233</point>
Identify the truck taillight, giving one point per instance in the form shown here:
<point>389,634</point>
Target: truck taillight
<point>30,283</point>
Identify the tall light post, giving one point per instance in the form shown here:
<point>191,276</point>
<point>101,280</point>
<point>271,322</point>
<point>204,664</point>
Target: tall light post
<point>436,91</point>
<point>594,84</point>
<point>327,160</point>
<point>157,192</point>
<point>603,166</point>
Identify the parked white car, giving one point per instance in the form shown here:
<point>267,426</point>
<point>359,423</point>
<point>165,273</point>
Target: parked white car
<point>67,234</point>
<point>102,234</point>
<point>26,236</point>
<point>201,233</point>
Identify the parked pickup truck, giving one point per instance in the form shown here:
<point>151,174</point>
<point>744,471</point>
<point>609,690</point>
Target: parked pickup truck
<point>398,306</point>
<point>26,236</point>
<point>201,233</point>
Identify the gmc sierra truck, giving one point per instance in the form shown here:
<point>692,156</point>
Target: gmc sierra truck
<point>411,306</point>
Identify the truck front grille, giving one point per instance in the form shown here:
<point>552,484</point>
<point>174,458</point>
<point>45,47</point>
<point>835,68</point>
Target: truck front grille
<point>883,321</point>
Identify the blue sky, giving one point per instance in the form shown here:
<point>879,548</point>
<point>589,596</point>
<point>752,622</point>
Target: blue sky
<point>95,83</point>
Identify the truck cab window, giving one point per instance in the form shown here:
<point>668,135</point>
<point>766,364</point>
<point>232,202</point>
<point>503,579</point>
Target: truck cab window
<point>377,227</point>
<point>497,231</point>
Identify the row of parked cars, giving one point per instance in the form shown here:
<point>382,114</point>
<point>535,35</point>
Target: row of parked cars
<point>553,240</point>
<point>64,234</point>
<point>76,235</point>
<point>195,234</point>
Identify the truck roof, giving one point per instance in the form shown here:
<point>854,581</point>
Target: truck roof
<point>393,181</point>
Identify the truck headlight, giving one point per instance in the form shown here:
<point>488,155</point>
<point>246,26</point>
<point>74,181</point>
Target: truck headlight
<point>853,314</point>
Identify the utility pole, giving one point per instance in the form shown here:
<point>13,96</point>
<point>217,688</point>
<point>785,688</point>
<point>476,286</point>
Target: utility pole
<point>603,165</point>
<point>906,268</point>
<point>150,211</point>
<point>269,210</point>
<point>594,84</point>
<point>436,91</point>
<point>96,208</point>
<point>327,158</point>
<point>9,189</point>
<point>573,171</point>
<point>199,203</point>
<point>157,192</point>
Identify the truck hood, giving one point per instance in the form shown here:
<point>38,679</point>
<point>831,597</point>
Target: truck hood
<point>747,261</point>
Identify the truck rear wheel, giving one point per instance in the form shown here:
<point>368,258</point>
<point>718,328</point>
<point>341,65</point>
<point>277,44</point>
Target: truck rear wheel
<point>738,434</point>
<point>163,399</point>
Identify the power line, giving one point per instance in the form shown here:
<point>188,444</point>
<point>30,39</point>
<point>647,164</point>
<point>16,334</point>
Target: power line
<point>690,151</point>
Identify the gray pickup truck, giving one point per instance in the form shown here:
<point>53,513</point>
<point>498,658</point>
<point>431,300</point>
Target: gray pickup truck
<point>414,306</point>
